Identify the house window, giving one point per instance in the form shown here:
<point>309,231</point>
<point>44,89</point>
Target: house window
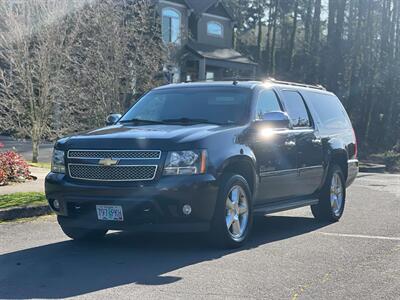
<point>210,76</point>
<point>215,29</point>
<point>171,25</point>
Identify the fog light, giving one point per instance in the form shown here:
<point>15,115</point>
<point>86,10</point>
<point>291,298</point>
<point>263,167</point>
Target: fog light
<point>56,204</point>
<point>187,209</point>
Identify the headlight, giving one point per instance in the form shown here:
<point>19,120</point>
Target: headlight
<point>57,162</point>
<point>186,162</point>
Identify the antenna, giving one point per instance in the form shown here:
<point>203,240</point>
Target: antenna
<point>236,80</point>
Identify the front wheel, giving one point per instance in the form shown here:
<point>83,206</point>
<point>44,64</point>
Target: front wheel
<point>80,234</point>
<point>332,198</point>
<point>233,213</point>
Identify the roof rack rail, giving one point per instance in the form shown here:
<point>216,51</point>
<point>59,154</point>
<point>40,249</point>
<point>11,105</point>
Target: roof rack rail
<point>226,79</point>
<point>239,79</point>
<point>317,87</point>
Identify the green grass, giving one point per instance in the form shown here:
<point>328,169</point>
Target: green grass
<point>22,200</point>
<point>42,165</point>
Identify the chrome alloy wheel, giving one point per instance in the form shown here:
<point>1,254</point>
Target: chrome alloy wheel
<point>336,194</point>
<point>237,212</point>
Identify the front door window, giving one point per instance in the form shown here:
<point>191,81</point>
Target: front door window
<point>267,102</point>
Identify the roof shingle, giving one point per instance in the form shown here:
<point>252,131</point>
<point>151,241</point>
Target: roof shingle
<point>200,6</point>
<point>212,52</point>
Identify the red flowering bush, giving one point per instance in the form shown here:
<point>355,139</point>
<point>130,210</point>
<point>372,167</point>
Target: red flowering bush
<point>13,168</point>
<point>2,177</point>
<point>2,173</point>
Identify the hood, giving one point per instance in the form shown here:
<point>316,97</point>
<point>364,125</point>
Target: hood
<point>163,137</point>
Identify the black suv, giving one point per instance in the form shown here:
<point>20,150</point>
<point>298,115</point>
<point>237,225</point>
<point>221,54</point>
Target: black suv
<point>206,157</point>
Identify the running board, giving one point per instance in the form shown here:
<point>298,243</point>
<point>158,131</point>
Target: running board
<point>284,205</point>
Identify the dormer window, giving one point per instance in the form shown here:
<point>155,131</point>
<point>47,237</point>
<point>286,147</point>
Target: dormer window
<point>171,25</point>
<point>215,29</point>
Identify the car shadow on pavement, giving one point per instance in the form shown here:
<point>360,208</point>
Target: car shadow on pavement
<point>68,269</point>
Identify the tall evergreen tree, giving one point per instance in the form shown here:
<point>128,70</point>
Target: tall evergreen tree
<point>350,46</point>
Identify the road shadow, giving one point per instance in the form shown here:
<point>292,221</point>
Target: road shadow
<point>68,269</point>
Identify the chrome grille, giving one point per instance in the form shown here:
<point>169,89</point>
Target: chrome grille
<point>114,173</point>
<point>115,154</point>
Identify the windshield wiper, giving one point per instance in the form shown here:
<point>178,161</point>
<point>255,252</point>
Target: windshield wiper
<point>190,121</point>
<point>141,121</point>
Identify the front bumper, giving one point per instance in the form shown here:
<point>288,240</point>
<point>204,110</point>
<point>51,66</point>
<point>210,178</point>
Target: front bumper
<point>153,206</point>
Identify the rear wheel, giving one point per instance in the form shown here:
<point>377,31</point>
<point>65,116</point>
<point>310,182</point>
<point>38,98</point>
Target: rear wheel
<point>233,213</point>
<point>77,233</point>
<point>332,198</point>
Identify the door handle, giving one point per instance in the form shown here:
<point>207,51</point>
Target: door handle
<point>290,143</point>
<point>317,141</point>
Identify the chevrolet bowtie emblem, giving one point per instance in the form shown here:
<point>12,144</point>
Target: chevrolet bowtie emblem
<point>108,162</point>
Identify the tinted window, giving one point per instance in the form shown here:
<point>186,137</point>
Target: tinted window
<point>217,105</point>
<point>266,103</point>
<point>296,109</point>
<point>329,110</point>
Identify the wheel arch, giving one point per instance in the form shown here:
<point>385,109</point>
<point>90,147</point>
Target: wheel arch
<point>339,157</point>
<point>244,166</point>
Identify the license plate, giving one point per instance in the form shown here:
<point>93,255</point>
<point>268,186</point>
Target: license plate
<point>109,213</point>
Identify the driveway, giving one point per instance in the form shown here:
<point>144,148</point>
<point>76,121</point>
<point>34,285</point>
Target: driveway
<point>24,147</point>
<point>289,256</point>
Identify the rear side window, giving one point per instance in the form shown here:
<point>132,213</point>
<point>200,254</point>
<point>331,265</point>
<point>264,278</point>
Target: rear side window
<point>296,109</point>
<point>266,103</point>
<point>330,111</point>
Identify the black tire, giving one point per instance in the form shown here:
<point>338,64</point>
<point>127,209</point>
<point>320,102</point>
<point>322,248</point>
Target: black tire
<point>220,235</point>
<point>80,234</point>
<point>324,211</point>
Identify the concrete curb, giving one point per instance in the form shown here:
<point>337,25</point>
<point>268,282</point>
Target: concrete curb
<point>372,168</point>
<point>24,212</point>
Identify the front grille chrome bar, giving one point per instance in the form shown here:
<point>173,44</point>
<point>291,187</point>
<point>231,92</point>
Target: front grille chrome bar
<point>114,154</point>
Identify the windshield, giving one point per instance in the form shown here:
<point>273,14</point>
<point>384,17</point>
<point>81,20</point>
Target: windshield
<point>192,105</point>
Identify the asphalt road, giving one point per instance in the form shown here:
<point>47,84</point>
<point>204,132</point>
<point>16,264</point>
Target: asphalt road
<point>289,256</point>
<point>24,147</point>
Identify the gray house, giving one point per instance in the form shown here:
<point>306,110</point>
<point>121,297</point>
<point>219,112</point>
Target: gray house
<point>202,33</point>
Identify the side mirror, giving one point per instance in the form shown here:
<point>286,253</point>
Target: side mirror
<point>275,119</point>
<point>112,119</point>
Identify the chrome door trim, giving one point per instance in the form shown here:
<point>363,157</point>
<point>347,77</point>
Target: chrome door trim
<point>288,171</point>
<point>276,173</point>
<point>311,167</point>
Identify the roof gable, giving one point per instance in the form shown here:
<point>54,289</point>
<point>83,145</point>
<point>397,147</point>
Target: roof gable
<point>210,6</point>
<point>200,6</point>
<point>219,10</point>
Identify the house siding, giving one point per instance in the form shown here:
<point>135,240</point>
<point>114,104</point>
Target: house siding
<point>199,45</point>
